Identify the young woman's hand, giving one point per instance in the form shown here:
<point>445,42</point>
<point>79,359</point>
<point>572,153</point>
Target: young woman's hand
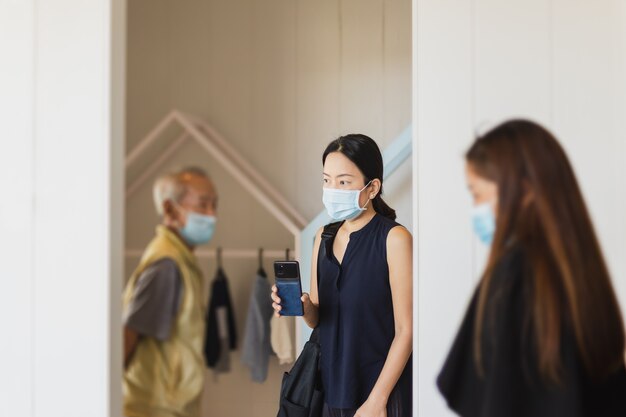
<point>307,304</point>
<point>276,301</point>
<point>372,409</point>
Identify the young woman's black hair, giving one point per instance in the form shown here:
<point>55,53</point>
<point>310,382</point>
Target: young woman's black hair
<point>365,154</point>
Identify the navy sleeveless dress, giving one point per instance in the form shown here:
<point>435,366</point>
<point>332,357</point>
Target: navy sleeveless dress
<point>356,322</point>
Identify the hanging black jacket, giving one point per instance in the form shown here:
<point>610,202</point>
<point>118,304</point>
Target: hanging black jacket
<point>220,297</point>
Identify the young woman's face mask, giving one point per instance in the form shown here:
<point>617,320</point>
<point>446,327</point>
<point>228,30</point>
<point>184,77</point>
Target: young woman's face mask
<point>343,204</point>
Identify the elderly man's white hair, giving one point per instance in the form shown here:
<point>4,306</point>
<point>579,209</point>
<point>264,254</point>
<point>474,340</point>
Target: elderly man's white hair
<point>172,187</point>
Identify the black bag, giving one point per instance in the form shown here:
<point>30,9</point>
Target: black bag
<point>301,392</point>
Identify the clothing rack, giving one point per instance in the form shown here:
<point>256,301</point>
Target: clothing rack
<point>226,253</point>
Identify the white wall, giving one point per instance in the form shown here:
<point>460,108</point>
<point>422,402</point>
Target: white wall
<point>478,62</point>
<point>61,107</point>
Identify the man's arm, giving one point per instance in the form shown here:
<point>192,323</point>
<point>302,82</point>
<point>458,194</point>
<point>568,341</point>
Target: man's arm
<point>153,307</point>
<point>131,339</point>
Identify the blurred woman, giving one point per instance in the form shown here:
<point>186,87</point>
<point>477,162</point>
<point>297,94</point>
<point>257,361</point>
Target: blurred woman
<point>543,335</point>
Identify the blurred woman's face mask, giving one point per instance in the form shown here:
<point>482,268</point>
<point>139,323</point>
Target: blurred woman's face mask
<point>484,222</point>
<point>343,204</point>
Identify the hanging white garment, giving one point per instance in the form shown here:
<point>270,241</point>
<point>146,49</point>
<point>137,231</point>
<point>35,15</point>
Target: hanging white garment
<point>282,329</point>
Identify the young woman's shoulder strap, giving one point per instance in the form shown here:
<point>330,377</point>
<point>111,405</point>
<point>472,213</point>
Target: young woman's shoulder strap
<point>328,235</point>
<point>330,230</point>
<point>327,238</point>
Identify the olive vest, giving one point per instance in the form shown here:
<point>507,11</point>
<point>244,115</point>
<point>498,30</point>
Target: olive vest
<point>166,378</point>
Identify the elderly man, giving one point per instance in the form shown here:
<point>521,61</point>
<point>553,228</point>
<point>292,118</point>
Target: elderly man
<point>163,311</point>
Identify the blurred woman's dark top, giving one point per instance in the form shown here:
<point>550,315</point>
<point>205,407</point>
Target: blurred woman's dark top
<point>510,384</point>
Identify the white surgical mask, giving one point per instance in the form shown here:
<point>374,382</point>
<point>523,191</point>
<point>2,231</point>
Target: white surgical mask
<point>343,204</point>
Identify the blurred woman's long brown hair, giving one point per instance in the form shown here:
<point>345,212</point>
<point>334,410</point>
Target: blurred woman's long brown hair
<point>540,205</point>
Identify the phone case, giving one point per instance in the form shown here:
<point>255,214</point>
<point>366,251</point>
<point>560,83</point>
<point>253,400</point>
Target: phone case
<point>289,291</point>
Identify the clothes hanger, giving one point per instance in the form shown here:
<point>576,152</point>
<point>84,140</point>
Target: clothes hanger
<point>219,257</point>
<point>287,253</point>
<point>261,270</point>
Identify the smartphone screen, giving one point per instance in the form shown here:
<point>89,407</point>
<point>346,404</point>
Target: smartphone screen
<point>287,275</point>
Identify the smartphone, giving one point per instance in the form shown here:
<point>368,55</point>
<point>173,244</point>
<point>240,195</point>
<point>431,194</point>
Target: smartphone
<point>287,275</point>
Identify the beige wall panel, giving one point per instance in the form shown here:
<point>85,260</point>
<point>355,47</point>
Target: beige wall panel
<point>273,96</point>
<point>396,109</point>
<point>148,67</point>
<point>229,79</point>
<point>362,62</point>
<point>317,95</point>
<point>189,59</point>
<point>396,67</point>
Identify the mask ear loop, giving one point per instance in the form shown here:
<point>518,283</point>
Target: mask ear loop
<point>359,195</point>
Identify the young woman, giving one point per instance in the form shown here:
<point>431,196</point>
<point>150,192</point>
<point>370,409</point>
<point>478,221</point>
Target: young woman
<point>543,335</point>
<point>364,305</point>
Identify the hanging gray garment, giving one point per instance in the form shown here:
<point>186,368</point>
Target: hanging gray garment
<point>256,342</point>
<point>223,362</point>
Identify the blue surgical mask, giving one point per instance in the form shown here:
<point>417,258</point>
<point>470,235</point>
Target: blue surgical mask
<point>198,229</point>
<point>484,222</point>
<point>343,204</point>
